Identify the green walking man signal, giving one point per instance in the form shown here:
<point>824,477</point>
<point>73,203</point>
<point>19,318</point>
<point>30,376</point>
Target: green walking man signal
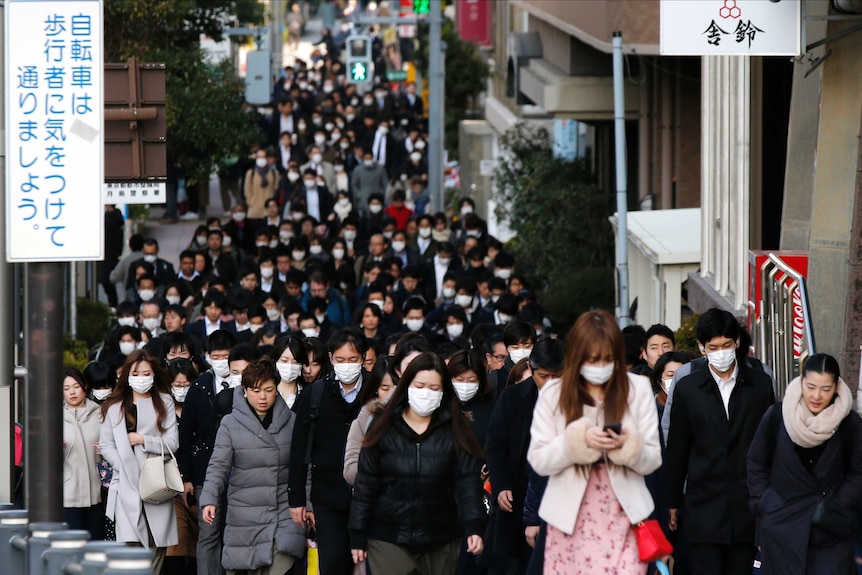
<point>359,61</point>
<point>421,6</point>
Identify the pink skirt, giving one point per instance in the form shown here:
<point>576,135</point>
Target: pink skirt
<point>603,542</point>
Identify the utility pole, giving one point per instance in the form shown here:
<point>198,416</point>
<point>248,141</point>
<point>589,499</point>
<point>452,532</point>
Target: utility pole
<point>436,95</point>
<point>622,189</point>
<point>276,35</point>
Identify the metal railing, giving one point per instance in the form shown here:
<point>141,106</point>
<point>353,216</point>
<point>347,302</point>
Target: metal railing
<point>783,335</point>
<point>53,549</point>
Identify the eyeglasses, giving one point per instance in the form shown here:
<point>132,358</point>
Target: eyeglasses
<point>499,357</point>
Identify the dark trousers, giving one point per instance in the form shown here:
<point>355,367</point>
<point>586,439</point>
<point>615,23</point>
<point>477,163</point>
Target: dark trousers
<point>333,540</point>
<point>537,559</point>
<point>104,271</point>
<point>707,559</point>
<point>209,538</point>
<point>90,518</point>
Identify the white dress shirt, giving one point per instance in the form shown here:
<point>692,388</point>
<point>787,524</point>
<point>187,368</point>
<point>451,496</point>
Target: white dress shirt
<point>725,386</point>
<point>212,326</point>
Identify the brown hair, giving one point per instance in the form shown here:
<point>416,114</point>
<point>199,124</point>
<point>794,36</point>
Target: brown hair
<point>123,394</point>
<point>462,434</point>
<point>594,335</point>
<point>259,371</point>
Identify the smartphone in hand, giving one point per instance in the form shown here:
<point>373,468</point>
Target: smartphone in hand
<point>615,427</point>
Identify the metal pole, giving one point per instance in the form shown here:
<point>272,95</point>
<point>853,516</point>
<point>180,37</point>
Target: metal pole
<point>436,88</point>
<point>622,195</point>
<point>73,300</point>
<point>7,316</point>
<point>277,36</point>
<point>44,424</point>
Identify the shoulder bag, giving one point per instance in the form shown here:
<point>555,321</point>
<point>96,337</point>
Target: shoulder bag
<point>160,480</point>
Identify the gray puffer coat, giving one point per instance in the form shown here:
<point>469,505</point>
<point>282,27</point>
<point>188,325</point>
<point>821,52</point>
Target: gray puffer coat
<point>256,460</point>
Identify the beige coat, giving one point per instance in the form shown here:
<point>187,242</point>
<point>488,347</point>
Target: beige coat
<point>356,436</point>
<point>131,515</point>
<point>256,194</point>
<point>81,482</point>
<point>557,448</point>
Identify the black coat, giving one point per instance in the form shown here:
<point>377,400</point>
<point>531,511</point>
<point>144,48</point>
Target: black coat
<point>784,495</point>
<point>708,452</point>
<point>197,429</point>
<point>506,445</point>
<point>328,488</point>
<point>417,491</point>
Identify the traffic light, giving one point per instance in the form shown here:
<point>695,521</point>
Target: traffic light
<point>359,63</point>
<point>421,6</point>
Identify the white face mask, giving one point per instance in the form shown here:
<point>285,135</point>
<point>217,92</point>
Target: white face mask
<point>347,373</point>
<point>309,332</point>
<point>297,255</point>
<point>375,208</point>
<point>320,318</point>
<point>597,374</point>
<point>266,272</point>
<point>101,394</point>
<point>414,324</point>
<point>220,366</point>
<point>234,380</point>
<point>466,210</point>
<point>126,321</point>
<point>273,314</point>
<point>349,235</point>
<point>519,354</point>
<point>289,371</point>
<point>722,360</point>
<point>127,347</point>
<point>260,162</point>
<point>665,384</point>
<point>465,391</point>
<point>201,240</point>
<point>292,176</point>
<point>425,233</point>
<point>141,383</point>
<point>455,330</point>
<point>254,327</point>
<point>398,246</point>
<point>444,261</point>
<point>316,158</point>
<point>319,140</point>
<point>338,253</point>
<point>285,236</point>
<point>420,144</point>
<point>226,241</point>
<point>179,393</point>
<point>315,249</point>
<point>151,323</point>
<point>151,258</point>
<point>273,244</point>
<point>344,202</point>
<point>238,216</point>
<point>465,301</point>
<point>146,294</point>
<point>424,401</point>
<point>173,299</point>
<point>503,274</point>
<point>448,292</point>
<point>297,216</point>
<point>415,156</point>
<point>309,184</point>
<point>378,302</point>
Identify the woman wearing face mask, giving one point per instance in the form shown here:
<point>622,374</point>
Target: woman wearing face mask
<point>199,238</point>
<point>137,419</point>
<point>250,463</point>
<point>319,365</point>
<point>128,339</point>
<point>375,396</point>
<point>805,474</point>
<point>417,493</point>
<point>341,268</point>
<point>596,489</point>
<point>369,317</point>
<point>101,380</point>
<point>82,495</point>
<point>180,557</point>
<point>261,182</point>
<point>290,357</point>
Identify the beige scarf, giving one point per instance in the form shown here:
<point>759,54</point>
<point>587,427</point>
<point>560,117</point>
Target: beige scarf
<point>806,429</point>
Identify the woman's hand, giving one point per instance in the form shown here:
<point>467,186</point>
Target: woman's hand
<point>136,439</point>
<point>209,514</point>
<point>531,532</point>
<point>504,500</point>
<point>597,438</point>
<point>672,520</point>
<point>298,515</point>
<point>358,555</point>
<point>474,544</point>
<point>619,439</point>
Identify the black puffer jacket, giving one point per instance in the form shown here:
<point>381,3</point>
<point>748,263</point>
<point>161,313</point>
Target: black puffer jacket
<point>418,491</point>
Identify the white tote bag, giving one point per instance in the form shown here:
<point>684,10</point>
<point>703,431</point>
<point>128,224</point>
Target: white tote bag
<point>160,479</point>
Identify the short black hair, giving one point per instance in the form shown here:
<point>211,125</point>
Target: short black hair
<point>177,340</point>
<point>548,353</point>
<point>136,243</point>
<point>659,329</point>
<point>244,352</point>
<point>517,331</point>
<point>717,323</point>
<point>295,345</point>
<point>185,254</point>
<point>219,340</point>
<point>100,375</point>
<point>414,302</point>
<point>213,296</point>
<point>351,336</point>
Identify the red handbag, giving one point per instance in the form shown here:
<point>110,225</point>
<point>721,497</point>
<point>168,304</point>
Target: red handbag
<point>652,544</point>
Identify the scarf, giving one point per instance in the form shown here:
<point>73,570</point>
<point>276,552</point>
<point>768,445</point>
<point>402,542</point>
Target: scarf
<point>806,429</point>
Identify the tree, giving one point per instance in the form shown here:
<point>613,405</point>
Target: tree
<point>206,121</point>
<point>564,240</point>
<point>466,76</point>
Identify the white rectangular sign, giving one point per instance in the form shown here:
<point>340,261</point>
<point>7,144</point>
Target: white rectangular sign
<point>731,28</point>
<point>54,130</point>
<point>149,192</point>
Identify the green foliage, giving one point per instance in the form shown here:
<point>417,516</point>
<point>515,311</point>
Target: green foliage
<point>686,335</point>
<point>205,117</point>
<point>560,218</point>
<point>466,75</point>
<point>94,319</point>
<point>75,353</point>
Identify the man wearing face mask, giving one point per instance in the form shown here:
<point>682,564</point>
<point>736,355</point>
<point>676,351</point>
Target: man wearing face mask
<point>441,264</point>
<point>151,319</point>
<point>320,166</point>
<point>197,431</point>
<point>519,338</point>
<point>383,148</point>
<point>715,414</point>
<point>367,178</point>
<point>261,182</point>
<point>162,269</point>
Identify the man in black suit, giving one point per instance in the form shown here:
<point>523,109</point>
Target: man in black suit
<point>506,448</point>
<point>714,417</point>
<point>162,269</point>
<point>441,264</point>
<point>212,306</point>
<point>411,105</point>
<point>222,263</point>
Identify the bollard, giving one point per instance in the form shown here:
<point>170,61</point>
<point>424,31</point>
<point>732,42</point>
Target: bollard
<point>13,525</point>
<point>65,547</point>
<point>95,557</point>
<point>38,543</point>
<point>130,561</point>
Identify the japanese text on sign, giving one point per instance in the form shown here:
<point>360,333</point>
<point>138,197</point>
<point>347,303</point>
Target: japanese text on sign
<point>54,130</point>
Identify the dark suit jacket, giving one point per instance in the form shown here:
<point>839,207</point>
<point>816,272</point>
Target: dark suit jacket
<point>709,452</point>
<point>429,279</point>
<point>416,109</point>
<point>225,267</point>
<point>197,430</point>
<point>164,272</point>
<point>198,328</point>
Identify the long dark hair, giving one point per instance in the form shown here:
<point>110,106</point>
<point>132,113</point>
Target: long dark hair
<point>594,333</point>
<point>123,395</point>
<point>471,360</point>
<point>462,433</point>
